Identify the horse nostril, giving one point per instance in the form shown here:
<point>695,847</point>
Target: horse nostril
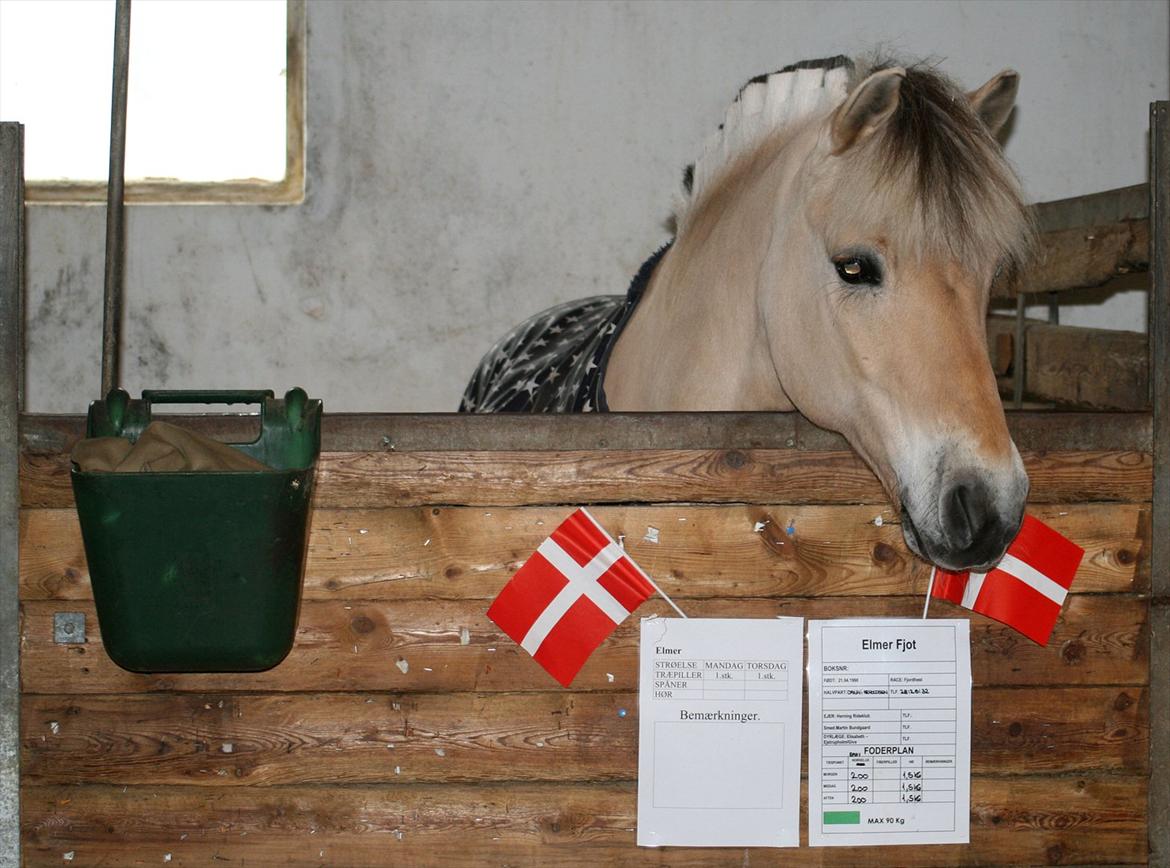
<point>965,513</point>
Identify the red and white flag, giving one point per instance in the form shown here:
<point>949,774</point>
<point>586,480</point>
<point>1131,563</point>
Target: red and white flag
<point>1026,589</point>
<point>570,595</point>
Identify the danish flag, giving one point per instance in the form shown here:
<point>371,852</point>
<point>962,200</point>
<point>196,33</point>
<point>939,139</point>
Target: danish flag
<point>570,595</point>
<point>1026,589</point>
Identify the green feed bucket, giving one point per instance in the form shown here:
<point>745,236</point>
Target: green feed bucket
<point>200,571</point>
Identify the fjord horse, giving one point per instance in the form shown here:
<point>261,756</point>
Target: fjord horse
<point>834,255</point>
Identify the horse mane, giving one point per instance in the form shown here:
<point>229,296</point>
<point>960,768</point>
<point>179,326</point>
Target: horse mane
<point>934,180</point>
<point>764,106</point>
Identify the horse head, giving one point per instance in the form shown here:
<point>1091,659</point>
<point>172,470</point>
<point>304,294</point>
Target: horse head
<point>877,329</point>
<point>840,263</point>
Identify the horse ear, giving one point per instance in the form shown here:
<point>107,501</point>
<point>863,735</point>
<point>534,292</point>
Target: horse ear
<point>867,108</point>
<point>995,100</point>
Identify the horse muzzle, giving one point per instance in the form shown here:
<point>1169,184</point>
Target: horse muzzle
<point>971,524</point>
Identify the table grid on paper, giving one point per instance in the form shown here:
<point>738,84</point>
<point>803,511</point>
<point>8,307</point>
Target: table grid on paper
<point>693,678</point>
<point>889,732</point>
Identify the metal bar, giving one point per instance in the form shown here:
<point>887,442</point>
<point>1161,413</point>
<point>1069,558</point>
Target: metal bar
<point>1018,355</point>
<point>1054,308</point>
<point>1159,798</point>
<point>11,402</point>
<point>115,210</point>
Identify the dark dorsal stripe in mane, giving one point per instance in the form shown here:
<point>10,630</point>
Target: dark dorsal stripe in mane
<point>834,62</point>
<point>762,107</point>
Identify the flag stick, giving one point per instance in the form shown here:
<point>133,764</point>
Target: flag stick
<point>645,575</point>
<point>929,589</point>
<point>662,594</point>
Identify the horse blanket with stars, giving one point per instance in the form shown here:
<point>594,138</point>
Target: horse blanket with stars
<point>555,362</point>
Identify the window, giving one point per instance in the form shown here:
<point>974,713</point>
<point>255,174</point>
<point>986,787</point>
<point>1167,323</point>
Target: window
<point>215,104</point>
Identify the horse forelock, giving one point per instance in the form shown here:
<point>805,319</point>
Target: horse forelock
<point>934,180</point>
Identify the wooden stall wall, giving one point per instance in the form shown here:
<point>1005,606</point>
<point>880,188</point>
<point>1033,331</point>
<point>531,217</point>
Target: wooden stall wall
<point>405,729</point>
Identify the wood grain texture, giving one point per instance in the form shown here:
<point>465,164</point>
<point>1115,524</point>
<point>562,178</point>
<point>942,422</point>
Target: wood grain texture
<point>407,553</point>
<point>43,434</point>
<point>1071,365</point>
<point>1087,367</point>
<point>404,728</point>
<point>1071,820</point>
<point>1088,256</point>
<point>1094,209</point>
<point>346,738</point>
<point>370,479</point>
<point>342,646</point>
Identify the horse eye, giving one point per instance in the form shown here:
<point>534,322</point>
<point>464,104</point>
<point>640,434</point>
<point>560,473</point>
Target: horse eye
<point>858,271</point>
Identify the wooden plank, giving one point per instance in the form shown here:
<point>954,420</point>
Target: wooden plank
<point>642,476</point>
<point>1086,256</point>
<point>738,476</point>
<point>512,478</point>
<point>1068,477</point>
<point>346,738</point>
<point>558,432</point>
<point>1085,240</point>
<point>701,551</point>
<point>1036,820</point>
<point>1093,209</point>
<point>451,645</point>
<point>1094,368</point>
<point>463,432</point>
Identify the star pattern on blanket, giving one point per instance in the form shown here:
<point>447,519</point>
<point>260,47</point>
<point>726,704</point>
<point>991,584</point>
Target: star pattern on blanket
<point>538,370</point>
<point>555,362</point>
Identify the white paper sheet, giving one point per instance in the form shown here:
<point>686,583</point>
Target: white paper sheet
<point>889,746</point>
<point>720,708</point>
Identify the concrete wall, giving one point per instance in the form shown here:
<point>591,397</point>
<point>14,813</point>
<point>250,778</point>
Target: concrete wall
<point>472,163</point>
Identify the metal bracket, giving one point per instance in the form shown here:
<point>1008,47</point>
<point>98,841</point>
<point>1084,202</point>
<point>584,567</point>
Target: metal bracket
<point>69,628</point>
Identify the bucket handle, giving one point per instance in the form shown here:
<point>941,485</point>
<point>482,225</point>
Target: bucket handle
<point>293,413</point>
<point>295,400</point>
<point>206,396</point>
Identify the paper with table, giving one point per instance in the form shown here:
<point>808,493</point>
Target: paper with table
<point>889,746</point>
<point>720,706</point>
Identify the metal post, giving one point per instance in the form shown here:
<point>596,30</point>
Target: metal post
<point>1159,328</point>
<point>11,403</point>
<point>115,213</point>
<point>1018,358</point>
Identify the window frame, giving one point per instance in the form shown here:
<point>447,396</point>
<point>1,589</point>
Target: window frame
<point>290,190</point>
